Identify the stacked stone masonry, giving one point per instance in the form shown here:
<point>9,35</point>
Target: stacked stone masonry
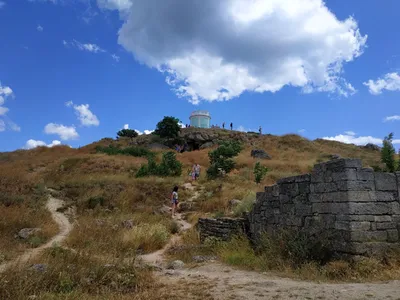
<point>222,228</point>
<point>358,207</point>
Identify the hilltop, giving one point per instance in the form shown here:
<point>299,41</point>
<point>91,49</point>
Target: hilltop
<point>120,216</point>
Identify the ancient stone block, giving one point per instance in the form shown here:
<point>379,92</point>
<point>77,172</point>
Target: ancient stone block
<point>385,196</point>
<point>317,176</point>
<point>287,209</point>
<point>365,175</point>
<point>344,225</point>
<point>385,225</point>
<point>385,182</point>
<point>330,208</point>
<point>323,187</point>
<point>303,178</point>
<point>355,185</point>
<point>302,209</point>
<point>304,187</point>
<point>359,218</point>
<point>368,236</point>
<point>392,235</point>
<point>343,164</point>
<point>291,189</point>
<point>361,196</point>
<point>395,208</point>
<point>347,174</point>
<point>382,219</point>
<point>285,198</point>
<point>369,208</point>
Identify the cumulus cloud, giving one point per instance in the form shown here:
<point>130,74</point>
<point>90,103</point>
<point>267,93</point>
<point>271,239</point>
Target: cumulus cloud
<point>216,50</point>
<point>39,28</point>
<point>390,82</point>
<point>143,132</point>
<point>64,132</point>
<point>301,131</point>
<point>126,126</point>
<point>121,5</point>
<point>5,93</point>
<point>2,4</point>
<point>357,140</point>
<point>31,144</point>
<point>392,118</point>
<point>352,133</point>
<point>84,114</point>
<point>93,48</point>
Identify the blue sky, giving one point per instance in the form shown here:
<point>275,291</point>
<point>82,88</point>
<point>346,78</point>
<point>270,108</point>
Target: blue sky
<point>76,71</point>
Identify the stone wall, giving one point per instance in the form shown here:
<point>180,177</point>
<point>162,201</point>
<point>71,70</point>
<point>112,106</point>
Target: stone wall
<point>356,206</point>
<point>222,228</point>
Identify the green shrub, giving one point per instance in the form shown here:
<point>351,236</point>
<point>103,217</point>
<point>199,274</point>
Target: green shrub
<point>387,153</point>
<point>95,201</point>
<point>168,128</point>
<point>246,205</point>
<point>259,172</point>
<point>131,151</point>
<point>130,133</point>
<point>169,166</point>
<point>221,159</point>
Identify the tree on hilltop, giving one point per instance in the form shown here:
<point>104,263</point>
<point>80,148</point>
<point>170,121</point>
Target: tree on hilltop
<point>168,128</point>
<point>387,153</point>
<point>130,133</point>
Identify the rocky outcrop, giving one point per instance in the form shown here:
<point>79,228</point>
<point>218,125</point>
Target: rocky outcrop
<point>26,233</point>
<point>372,147</point>
<point>258,153</point>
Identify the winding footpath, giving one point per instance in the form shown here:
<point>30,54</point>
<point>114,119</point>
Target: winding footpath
<point>65,226</point>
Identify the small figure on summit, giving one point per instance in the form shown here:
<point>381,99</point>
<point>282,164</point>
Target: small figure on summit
<point>231,125</point>
<point>260,130</point>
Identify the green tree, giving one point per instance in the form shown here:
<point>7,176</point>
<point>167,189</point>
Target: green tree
<point>387,153</point>
<point>259,172</point>
<point>127,133</point>
<point>221,159</point>
<point>168,128</point>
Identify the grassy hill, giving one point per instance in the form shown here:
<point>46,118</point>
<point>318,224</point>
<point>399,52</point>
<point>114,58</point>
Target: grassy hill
<point>105,192</point>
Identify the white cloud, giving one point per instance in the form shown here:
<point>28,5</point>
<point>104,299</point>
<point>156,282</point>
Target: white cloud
<point>392,118</point>
<point>93,48</point>
<point>357,140</point>
<point>126,126</point>
<point>144,132</point>
<point>65,132</point>
<point>3,110</point>
<point>352,133</point>
<point>121,5</point>
<point>301,131</point>
<point>84,114</point>
<point>390,82</point>
<point>216,50</point>
<point>2,126</point>
<point>2,4</point>
<point>5,93</point>
<point>31,144</point>
<point>39,28</point>
<point>115,57</point>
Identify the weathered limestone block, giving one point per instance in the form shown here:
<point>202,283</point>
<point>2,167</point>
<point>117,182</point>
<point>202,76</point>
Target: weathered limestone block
<point>346,174</point>
<point>351,225</point>
<point>369,208</point>
<point>385,182</point>
<point>386,196</point>
<point>302,209</point>
<point>365,174</point>
<point>359,218</point>
<point>304,187</point>
<point>323,187</point>
<point>368,236</point>
<point>343,163</point>
<point>382,219</point>
<point>290,189</point>
<point>330,208</point>
<point>393,236</point>
<point>356,185</point>
<point>385,226</point>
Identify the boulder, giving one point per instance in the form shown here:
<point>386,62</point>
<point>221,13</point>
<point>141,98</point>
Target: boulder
<point>185,206</point>
<point>259,153</point>
<point>200,258</point>
<point>39,267</point>
<point>206,145</point>
<point>176,265</point>
<point>371,146</point>
<point>25,233</point>
<point>335,156</point>
<point>234,202</point>
<point>128,224</point>
<point>164,210</point>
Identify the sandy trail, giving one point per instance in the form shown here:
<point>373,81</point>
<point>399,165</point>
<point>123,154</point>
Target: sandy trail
<point>64,226</point>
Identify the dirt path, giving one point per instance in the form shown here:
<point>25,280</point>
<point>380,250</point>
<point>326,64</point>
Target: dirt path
<point>64,226</point>
<point>231,284</point>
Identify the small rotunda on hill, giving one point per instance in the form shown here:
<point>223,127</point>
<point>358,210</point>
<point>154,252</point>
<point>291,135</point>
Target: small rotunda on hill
<point>200,119</point>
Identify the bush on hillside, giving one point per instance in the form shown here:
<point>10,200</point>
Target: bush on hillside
<point>132,151</point>
<point>169,166</point>
<point>387,154</point>
<point>259,172</point>
<point>221,161</point>
<point>168,128</point>
<point>127,133</point>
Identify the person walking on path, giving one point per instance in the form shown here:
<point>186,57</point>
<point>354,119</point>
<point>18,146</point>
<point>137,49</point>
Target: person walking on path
<point>231,125</point>
<point>197,169</point>
<point>174,200</point>
<point>194,172</point>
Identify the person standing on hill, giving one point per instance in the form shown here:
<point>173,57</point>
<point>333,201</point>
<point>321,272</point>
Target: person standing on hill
<point>260,130</point>
<point>223,125</point>
<point>231,125</point>
<point>174,200</point>
<point>197,169</point>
